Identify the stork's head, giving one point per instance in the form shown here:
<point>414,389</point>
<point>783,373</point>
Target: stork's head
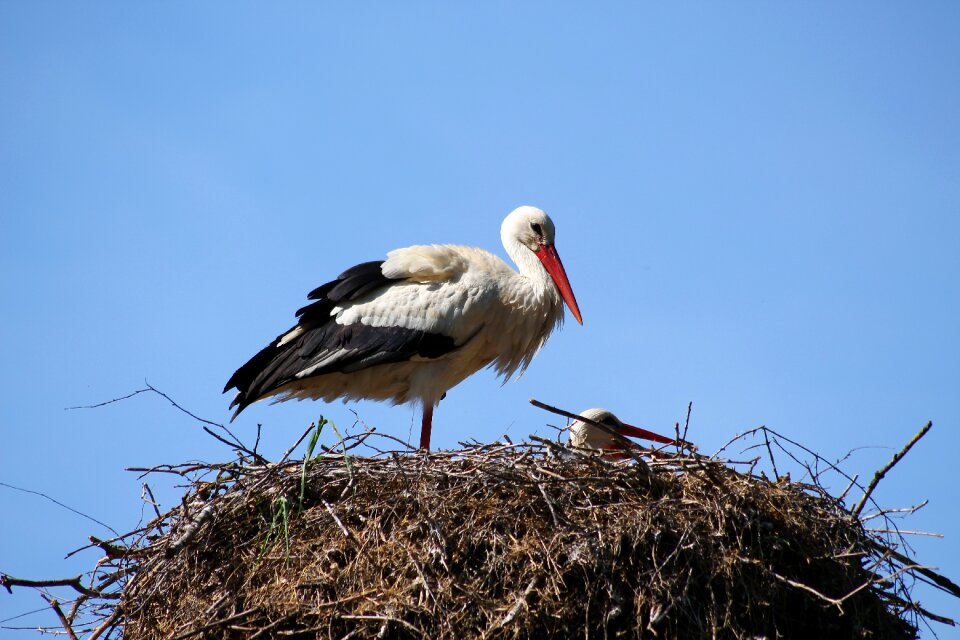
<point>532,229</point>
<point>588,436</point>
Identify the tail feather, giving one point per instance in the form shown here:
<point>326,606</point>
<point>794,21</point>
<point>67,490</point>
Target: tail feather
<point>277,363</point>
<point>244,379</point>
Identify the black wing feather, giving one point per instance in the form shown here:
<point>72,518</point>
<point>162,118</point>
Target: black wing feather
<point>366,276</point>
<point>277,365</point>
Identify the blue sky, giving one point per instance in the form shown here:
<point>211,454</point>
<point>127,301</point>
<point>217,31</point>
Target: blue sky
<point>758,206</point>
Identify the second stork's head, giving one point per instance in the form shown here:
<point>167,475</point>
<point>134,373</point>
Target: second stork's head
<point>587,436</point>
<point>529,229</point>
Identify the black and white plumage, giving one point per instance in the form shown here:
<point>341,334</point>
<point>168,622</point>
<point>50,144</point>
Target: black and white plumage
<point>410,327</point>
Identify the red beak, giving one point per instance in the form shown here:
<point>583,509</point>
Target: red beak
<point>637,432</point>
<point>551,262</point>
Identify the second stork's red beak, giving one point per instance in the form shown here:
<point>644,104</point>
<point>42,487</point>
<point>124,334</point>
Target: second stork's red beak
<point>551,262</point>
<point>637,432</point>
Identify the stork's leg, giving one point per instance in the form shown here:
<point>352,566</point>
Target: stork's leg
<point>426,426</point>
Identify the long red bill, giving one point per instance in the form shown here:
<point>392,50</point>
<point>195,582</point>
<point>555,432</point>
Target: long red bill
<point>551,262</point>
<point>637,432</point>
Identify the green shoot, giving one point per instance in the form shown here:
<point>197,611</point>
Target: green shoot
<point>308,456</point>
<point>346,456</point>
<point>279,525</point>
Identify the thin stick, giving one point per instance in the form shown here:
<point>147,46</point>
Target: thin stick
<point>57,502</point>
<point>215,624</point>
<point>938,580</point>
<point>843,495</point>
<point>8,581</point>
<point>235,444</point>
<point>340,524</point>
<point>907,532</point>
<point>103,404</point>
<point>107,625</point>
<point>63,619</point>
<point>515,609</point>
<point>303,436</point>
<point>885,512</point>
<point>686,424</point>
<point>507,619</point>
<point>402,623</point>
<point>773,463</point>
<point>878,476</point>
<point>153,502</point>
<point>190,530</point>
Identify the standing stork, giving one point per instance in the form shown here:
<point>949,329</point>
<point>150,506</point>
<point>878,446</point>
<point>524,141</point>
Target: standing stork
<point>408,328</point>
<point>587,436</point>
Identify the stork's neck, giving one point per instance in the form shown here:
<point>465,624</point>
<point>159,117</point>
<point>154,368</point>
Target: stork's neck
<point>528,264</point>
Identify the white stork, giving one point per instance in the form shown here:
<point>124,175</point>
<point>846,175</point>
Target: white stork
<point>587,436</point>
<point>408,328</point>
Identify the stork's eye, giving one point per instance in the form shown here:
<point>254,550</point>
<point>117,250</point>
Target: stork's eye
<point>537,229</point>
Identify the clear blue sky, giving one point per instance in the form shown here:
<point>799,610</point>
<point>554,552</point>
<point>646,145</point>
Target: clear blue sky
<point>758,206</point>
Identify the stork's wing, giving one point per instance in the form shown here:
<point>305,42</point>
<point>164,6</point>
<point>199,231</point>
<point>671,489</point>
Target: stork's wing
<point>425,263</point>
<point>373,313</point>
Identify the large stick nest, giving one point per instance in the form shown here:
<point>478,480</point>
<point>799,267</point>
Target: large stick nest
<point>527,540</point>
<point>508,541</point>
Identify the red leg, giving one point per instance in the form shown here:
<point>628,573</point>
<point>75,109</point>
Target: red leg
<point>426,426</point>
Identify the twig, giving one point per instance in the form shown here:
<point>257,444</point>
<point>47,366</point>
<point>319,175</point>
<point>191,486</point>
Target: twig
<point>8,582</point>
<point>553,514</point>
<point>215,624</point>
<point>886,512</point>
<point>63,619</point>
<point>402,623</point>
<point>838,602</point>
<point>264,631</point>
<point>686,424</point>
<point>422,575</point>
<point>57,502</point>
<point>296,444</point>
<point>906,532</point>
<point>340,524</point>
<point>103,404</point>
<point>113,551</point>
<point>773,462</point>
<point>938,580</point>
<point>915,606</point>
<point>190,531</point>
<point>256,443</point>
<point>843,495</point>
<point>192,415</point>
<point>878,476</point>
<point>521,600</point>
<point>751,432</point>
<point>21,615</point>
<point>235,444</point>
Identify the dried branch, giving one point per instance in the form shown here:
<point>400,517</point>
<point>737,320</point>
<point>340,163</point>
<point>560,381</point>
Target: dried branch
<point>886,512</point>
<point>942,582</point>
<point>515,609</point>
<point>878,476</point>
<point>191,530</point>
<point>215,624</point>
<point>8,582</point>
<point>63,619</point>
